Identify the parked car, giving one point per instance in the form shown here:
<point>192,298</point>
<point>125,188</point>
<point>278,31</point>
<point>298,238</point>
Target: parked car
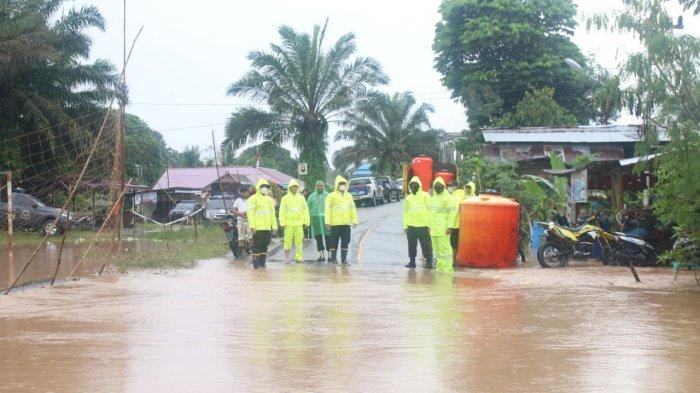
<point>366,189</point>
<point>31,214</point>
<point>399,187</point>
<point>391,193</point>
<point>216,206</point>
<point>185,208</point>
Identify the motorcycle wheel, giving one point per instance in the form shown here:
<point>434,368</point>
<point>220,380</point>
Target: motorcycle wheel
<point>550,254</point>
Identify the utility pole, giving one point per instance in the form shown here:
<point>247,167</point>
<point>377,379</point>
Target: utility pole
<point>120,137</point>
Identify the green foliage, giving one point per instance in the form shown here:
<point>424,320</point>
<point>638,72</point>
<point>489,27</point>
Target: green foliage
<point>538,109</point>
<point>665,90</point>
<point>388,131</point>
<point>51,94</point>
<point>271,156</point>
<point>305,86</point>
<point>145,151</point>
<point>490,52</point>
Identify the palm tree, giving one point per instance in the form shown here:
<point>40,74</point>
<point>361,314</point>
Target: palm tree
<point>51,97</point>
<point>191,157</point>
<point>387,131</point>
<point>305,87</point>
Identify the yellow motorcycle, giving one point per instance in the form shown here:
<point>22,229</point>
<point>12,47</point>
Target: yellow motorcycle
<point>562,243</point>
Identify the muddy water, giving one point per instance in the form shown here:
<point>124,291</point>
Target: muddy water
<point>43,267</point>
<point>223,327</point>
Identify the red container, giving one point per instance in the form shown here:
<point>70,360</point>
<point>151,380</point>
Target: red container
<point>446,176</point>
<point>422,167</point>
<point>488,234</point>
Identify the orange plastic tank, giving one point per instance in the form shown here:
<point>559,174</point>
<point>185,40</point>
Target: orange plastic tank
<point>488,235</point>
<point>446,176</point>
<point>422,166</point>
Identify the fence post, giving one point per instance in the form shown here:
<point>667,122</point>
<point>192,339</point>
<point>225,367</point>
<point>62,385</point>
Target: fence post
<point>8,272</point>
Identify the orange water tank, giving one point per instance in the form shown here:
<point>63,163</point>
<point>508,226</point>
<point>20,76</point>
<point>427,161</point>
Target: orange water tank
<point>446,176</point>
<point>488,235</point>
<point>422,166</point>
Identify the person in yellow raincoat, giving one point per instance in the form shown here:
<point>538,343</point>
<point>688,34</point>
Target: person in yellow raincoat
<point>294,218</point>
<point>262,221</point>
<point>340,214</point>
<point>416,223</point>
<point>459,196</point>
<point>442,219</point>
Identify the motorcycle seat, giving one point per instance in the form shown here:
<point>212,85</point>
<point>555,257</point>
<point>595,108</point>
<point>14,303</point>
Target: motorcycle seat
<point>573,229</point>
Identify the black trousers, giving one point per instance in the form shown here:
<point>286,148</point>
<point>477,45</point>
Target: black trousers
<point>261,240</point>
<point>339,234</point>
<point>422,235</point>
<point>454,238</point>
<point>320,246</point>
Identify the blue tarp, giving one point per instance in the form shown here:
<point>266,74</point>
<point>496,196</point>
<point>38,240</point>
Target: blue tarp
<point>362,171</point>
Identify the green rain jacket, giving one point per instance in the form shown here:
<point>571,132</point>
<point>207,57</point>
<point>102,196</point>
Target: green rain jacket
<point>461,195</point>
<point>317,206</point>
<point>261,210</point>
<point>293,209</point>
<point>442,211</point>
<point>415,207</point>
<point>340,207</point>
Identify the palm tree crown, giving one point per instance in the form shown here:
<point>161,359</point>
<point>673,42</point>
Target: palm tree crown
<point>387,131</point>
<point>305,87</point>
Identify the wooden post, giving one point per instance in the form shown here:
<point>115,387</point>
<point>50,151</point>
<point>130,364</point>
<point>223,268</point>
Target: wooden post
<point>8,274</point>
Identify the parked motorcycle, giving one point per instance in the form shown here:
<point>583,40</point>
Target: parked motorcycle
<point>562,243</point>
<point>628,249</point>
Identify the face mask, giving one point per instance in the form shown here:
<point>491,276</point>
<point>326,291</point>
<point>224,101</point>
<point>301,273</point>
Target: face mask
<point>265,191</point>
<point>341,188</point>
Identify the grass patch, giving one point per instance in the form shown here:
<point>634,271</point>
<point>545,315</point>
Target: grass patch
<point>176,248</point>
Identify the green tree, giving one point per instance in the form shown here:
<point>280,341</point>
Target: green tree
<point>191,157</point>
<point>665,90</point>
<point>51,95</point>
<point>145,150</point>
<point>538,109</point>
<point>490,52</point>
<point>387,131</point>
<point>271,156</point>
<point>305,87</point>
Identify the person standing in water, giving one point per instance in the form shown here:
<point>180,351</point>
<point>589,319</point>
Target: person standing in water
<point>416,222</point>
<point>459,196</point>
<point>262,221</point>
<point>294,218</point>
<point>317,205</point>
<point>442,218</point>
<point>340,215</point>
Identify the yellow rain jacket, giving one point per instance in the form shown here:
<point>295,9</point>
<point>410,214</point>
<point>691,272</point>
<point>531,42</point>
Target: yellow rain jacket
<point>415,207</point>
<point>340,208</point>
<point>459,196</point>
<point>293,208</point>
<point>442,211</point>
<point>261,210</point>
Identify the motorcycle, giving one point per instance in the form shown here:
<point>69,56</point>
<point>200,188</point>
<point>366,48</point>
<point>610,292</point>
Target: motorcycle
<point>628,249</point>
<point>562,243</point>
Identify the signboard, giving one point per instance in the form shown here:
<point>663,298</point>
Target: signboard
<point>303,169</point>
<point>148,198</point>
<point>579,186</point>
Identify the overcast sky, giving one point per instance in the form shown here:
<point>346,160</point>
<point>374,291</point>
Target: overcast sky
<point>189,52</point>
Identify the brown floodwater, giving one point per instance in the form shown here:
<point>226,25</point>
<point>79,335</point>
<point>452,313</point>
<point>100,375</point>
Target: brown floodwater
<point>223,327</point>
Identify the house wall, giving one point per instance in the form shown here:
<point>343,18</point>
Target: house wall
<point>505,152</point>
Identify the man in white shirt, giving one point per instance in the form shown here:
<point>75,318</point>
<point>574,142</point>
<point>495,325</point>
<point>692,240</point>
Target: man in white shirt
<point>240,207</point>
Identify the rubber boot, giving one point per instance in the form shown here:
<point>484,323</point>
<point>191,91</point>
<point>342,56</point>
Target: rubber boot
<point>256,263</point>
<point>344,257</point>
<point>411,265</point>
<point>263,258</point>
<point>332,258</point>
<point>321,257</point>
<point>428,263</point>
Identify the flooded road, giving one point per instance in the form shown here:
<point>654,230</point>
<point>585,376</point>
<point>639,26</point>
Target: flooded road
<point>374,326</point>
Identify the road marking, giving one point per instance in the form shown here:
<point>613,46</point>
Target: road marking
<point>360,248</point>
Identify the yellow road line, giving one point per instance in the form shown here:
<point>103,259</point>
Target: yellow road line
<point>360,248</point>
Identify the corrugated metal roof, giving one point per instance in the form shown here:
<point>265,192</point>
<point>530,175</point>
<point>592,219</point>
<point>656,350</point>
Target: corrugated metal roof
<point>198,178</point>
<point>581,134</point>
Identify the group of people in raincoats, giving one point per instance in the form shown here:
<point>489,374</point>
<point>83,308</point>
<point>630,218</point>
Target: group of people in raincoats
<point>330,216</point>
<point>433,221</point>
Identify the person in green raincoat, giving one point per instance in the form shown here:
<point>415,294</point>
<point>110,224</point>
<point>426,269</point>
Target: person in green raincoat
<point>442,219</point>
<point>317,206</point>
<point>459,196</point>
